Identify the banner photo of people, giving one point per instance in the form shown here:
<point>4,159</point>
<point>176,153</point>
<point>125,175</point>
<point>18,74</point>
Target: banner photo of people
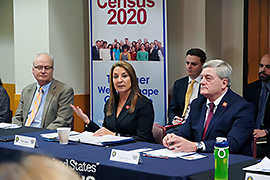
<point>132,31</point>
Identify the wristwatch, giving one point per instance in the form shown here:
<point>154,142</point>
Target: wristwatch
<point>199,146</point>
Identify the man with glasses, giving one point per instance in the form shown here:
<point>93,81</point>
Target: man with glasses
<point>45,104</point>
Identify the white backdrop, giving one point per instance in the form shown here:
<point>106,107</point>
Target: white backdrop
<point>109,21</point>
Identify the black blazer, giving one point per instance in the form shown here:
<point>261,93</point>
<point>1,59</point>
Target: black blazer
<point>177,103</point>
<point>153,56</point>
<point>234,119</point>
<point>95,53</point>
<point>138,124</point>
<point>252,94</point>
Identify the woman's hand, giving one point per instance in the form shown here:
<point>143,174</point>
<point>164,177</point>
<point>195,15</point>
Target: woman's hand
<point>80,113</point>
<point>103,131</point>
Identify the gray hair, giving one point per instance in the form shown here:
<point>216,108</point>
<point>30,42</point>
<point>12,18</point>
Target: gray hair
<point>51,57</point>
<point>223,69</point>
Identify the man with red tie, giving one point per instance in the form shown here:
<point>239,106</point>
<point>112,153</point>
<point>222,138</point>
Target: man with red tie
<point>218,113</point>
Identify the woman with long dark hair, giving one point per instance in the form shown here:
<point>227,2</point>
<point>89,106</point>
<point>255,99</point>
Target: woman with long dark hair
<point>127,112</point>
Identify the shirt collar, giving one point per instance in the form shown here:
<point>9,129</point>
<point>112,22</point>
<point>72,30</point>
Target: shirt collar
<point>217,101</point>
<point>45,88</point>
<point>198,79</point>
<point>267,84</point>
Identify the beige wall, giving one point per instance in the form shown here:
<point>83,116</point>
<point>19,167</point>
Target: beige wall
<point>57,27</point>
<point>7,73</point>
<point>215,26</point>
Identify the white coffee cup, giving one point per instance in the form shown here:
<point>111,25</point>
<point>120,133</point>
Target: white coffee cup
<point>63,134</point>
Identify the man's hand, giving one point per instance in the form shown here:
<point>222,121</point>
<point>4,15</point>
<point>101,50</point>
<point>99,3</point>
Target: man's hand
<point>257,133</point>
<point>177,143</point>
<point>177,120</point>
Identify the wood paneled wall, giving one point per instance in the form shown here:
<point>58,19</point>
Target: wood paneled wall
<point>258,35</point>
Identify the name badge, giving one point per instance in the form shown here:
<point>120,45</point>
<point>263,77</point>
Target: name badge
<point>25,141</point>
<point>125,156</point>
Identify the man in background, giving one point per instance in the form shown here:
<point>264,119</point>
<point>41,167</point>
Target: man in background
<point>95,51</point>
<point>180,103</point>
<point>258,94</point>
<point>46,103</point>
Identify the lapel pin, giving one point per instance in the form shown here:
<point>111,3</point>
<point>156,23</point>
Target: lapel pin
<point>127,106</point>
<point>224,104</point>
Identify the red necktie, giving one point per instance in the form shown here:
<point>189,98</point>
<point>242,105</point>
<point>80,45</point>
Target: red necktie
<point>209,117</point>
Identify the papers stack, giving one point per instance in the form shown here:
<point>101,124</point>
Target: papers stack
<point>166,153</point>
<point>260,170</point>
<point>88,138</point>
<point>55,135</point>
<point>8,126</point>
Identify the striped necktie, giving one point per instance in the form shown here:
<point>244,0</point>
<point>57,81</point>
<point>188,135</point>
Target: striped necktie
<point>34,110</point>
<point>188,96</point>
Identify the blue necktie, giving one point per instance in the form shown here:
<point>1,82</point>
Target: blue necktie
<point>262,103</point>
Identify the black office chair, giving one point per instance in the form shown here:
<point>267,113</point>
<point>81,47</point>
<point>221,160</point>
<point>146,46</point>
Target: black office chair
<point>256,141</point>
<point>10,116</point>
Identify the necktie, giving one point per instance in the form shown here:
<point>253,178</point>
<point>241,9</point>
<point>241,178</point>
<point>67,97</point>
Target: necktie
<point>209,117</point>
<point>262,103</point>
<point>188,95</point>
<point>34,110</point>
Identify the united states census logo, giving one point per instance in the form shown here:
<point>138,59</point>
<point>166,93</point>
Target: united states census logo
<point>249,178</point>
<point>113,153</point>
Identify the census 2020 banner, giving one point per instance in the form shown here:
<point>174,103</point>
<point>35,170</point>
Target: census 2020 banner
<point>133,26</point>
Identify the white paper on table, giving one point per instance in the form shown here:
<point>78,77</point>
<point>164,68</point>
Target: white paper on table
<point>167,153</point>
<point>141,150</point>
<point>263,166</point>
<point>88,138</point>
<point>55,135</point>
<point>8,126</point>
<point>193,156</point>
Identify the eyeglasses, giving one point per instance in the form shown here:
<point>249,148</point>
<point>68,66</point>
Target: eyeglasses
<point>40,68</point>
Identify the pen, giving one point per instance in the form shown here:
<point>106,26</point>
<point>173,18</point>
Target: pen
<point>161,157</point>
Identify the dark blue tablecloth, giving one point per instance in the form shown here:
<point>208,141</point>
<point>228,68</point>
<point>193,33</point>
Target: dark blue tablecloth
<point>94,161</point>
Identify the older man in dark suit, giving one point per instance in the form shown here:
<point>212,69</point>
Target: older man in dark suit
<point>46,103</point>
<point>218,113</point>
<point>258,94</point>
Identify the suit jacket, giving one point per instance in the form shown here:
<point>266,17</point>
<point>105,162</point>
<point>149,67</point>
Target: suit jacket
<point>234,119</point>
<point>252,94</point>
<point>177,103</point>
<point>137,124</point>
<point>95,53</point>
<point>4,105</point>
<point>57,111</point>
<point>153,56</point>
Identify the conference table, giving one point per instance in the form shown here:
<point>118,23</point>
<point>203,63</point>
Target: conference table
<point>92,162</point>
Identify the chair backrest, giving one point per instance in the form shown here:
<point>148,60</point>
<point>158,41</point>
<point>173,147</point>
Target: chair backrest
<point>159,132</point>
<point>10,116</point>
<point>254,147</point>
<point>72,124</point>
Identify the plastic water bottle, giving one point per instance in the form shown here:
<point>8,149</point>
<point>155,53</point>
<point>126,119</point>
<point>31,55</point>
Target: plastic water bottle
<point>221,154</point>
